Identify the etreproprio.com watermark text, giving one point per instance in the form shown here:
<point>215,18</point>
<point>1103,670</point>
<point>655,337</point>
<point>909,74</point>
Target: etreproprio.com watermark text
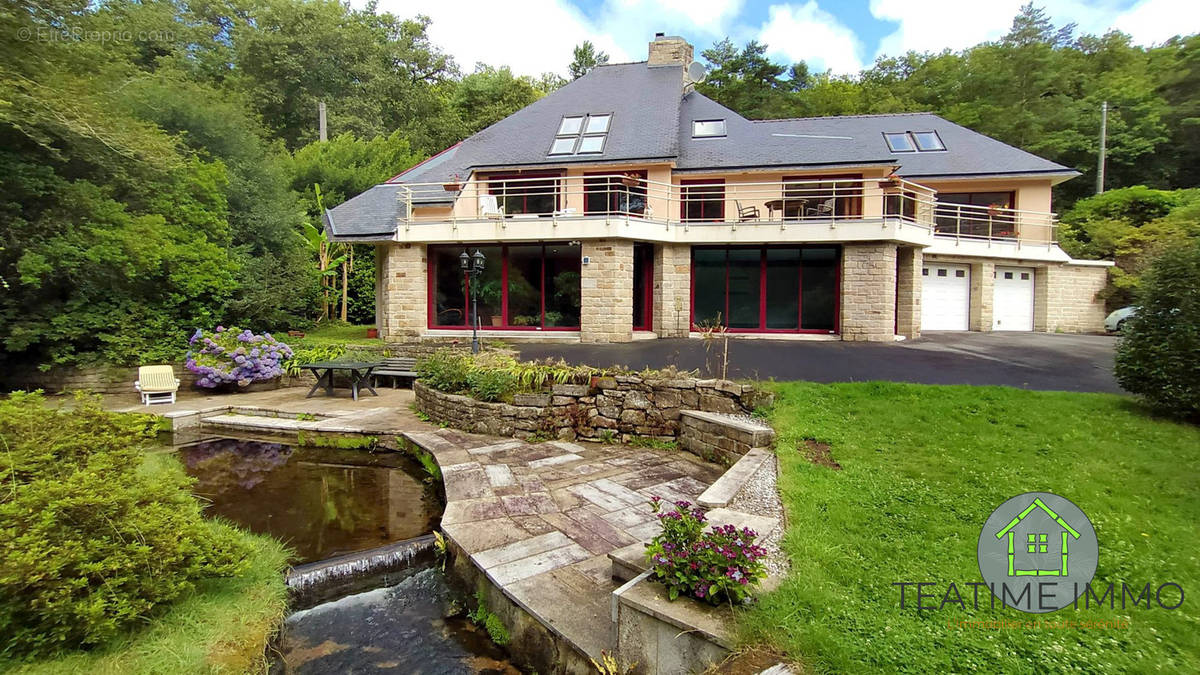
<point>77,34</point>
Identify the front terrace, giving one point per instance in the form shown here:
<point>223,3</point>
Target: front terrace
<point>650,204</point>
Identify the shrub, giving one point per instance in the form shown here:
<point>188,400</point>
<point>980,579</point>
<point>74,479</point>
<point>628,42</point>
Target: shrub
<point>445,370</point>
<point>491,385</point>
<point>1156,359</point>
<point>229,356</point>
<point>715,566</point>
<point>91,541</point>
<point>312,354</point>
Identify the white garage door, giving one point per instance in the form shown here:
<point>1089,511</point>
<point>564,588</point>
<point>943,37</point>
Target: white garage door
<point>945,297</point>
<point>1012,305</point>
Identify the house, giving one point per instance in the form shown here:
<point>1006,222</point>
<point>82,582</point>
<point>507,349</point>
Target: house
<point>627,205</point>
<point>1038,542</point>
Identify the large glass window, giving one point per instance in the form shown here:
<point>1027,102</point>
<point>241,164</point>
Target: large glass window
<point>610,194</point>
<point>976,214</point>
<point>766,289</point>
<point>703,200</point>
<point>527,286</point>
<point>526,193</point>
<point>821,197</point>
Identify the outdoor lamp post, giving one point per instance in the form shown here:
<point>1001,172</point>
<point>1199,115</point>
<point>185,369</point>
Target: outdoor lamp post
<point>472,266</point>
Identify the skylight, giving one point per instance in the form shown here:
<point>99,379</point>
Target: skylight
<point>928,141</point>
<point>708,128</point>
<point>581,134</point>
<point>914,141</point>
<point>899,143</point>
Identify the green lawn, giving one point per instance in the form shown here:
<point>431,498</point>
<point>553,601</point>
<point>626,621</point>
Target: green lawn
<point>334,333</point>
<point>923,467</point>
<point>223,627</point>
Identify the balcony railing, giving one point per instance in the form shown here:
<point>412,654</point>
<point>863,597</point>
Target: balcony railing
<point>711,202</point>
<point>992,223</point>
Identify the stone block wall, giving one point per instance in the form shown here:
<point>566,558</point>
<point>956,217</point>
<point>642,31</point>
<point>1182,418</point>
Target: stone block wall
<point>868,294</point>
<point>616,408</point>
<point>402,301</point>
<point>721,438</point>
<point>983,281</point>
<point>606,291</point>
<point>1071,303</point>
<point>98,380</point>
<point>672,289</point>
<point>908,292</point>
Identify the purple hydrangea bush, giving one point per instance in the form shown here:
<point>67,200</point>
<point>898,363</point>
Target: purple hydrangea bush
<point>229,357</point>
<point>717,566</point>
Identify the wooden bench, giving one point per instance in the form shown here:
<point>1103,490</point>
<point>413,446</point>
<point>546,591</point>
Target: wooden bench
<point>396,367</point>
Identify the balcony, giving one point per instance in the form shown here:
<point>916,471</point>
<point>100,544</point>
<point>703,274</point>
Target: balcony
<point>538,206</point>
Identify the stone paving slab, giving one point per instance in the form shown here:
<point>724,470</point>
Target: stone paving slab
<point>540,519</point>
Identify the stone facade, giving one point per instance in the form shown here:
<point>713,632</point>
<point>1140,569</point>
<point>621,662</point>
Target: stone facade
<point>670,50</point>
<point>868,296</point>
<point>98,380</point>
<point>1071,303</point>
<point>672,289</point>
<point>616,408</point>
<point>983,280</point>
<point>606,291</point>
<point>403,302</point>
<point>908,292</point>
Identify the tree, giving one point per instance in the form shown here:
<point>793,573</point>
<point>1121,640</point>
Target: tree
<point>1156,358</point>
<point>747,81</point>
<point>585,57</point>
<point>489,94</point>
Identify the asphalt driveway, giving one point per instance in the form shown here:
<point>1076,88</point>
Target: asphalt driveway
<point>1026,360</point>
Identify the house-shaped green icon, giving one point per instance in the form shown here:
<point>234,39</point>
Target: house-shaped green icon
<point>1036,550</point>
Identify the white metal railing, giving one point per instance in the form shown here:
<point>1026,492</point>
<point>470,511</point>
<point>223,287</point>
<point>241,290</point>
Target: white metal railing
<point>994,223</point>
<point>706,202</point>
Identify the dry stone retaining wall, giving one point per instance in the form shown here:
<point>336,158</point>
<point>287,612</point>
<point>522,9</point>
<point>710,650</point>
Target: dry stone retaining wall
<point>616,408</point>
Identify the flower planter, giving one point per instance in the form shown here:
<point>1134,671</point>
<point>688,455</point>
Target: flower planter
<point>452,187</point>
<point>372,333</point>
<point>296,333</point>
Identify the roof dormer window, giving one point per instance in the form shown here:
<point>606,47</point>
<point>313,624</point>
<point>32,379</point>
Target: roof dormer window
<point>914,141</point>
<point>581,134</point>
<point>708,128</point>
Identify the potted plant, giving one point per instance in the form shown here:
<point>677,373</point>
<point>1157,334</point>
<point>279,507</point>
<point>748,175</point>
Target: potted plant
<point>630,179</point>
<point>372,333</point>
<point>453,185</point>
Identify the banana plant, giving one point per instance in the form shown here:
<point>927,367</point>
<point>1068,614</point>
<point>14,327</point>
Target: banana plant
<point>330,256</point>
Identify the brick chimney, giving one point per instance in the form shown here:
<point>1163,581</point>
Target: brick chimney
<point>669,50</point>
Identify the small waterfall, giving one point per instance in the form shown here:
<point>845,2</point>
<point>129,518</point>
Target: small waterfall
<point>316,582</point>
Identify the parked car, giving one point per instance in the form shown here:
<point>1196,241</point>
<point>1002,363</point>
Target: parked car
<point>1115,322</point>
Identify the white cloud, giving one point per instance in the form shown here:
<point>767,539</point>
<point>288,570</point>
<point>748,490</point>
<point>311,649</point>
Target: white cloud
<point>933,25</point>
<point>1155,21</point>
<point>808,33</point>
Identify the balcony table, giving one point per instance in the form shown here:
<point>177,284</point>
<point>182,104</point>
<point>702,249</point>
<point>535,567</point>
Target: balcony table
<point>359,372</point>
<point>792,204</point>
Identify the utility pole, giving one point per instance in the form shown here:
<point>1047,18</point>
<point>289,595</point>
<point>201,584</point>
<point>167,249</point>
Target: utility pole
<point>321,117</point>
<point>1103,148</point>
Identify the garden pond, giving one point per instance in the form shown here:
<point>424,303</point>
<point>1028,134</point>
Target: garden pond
<point>334,503</point>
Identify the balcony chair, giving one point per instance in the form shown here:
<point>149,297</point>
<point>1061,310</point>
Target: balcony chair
<point>746,213</point>
<point>825,208</point>
<point>489,208</point>
<point>157,384</point>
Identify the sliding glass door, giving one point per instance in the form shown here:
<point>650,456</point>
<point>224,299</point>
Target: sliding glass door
<point>766,289</point>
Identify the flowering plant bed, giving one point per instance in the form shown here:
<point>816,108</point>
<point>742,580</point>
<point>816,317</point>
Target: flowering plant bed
<point>717,566</point>
<point>229,358</point>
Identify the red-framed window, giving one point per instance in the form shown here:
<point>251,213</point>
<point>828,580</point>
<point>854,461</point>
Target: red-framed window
<point>643,286</point>
<point>604,193</point>
<point>702,200</point>
<point>976,214</point>
<point>767,289</point>
<point>519,193</point>
<point>814,196</point>
<point>523,286</point>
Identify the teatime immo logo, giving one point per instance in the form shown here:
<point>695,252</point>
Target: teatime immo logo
<point>1037,553</point>
<point>1038,545</point>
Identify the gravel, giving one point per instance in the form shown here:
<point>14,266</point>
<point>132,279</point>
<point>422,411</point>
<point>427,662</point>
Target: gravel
<point>760,496</point>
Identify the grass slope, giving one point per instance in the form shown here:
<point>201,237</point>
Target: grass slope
<point>223,627</point>
<point>923,468</point>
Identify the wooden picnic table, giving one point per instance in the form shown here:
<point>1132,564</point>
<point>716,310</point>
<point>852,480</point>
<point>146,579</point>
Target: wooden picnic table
<point>358,371</point>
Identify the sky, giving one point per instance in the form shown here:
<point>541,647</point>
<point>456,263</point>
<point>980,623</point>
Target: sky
<point>536,36</point>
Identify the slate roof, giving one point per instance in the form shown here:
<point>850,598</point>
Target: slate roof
<point>652,120</point>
